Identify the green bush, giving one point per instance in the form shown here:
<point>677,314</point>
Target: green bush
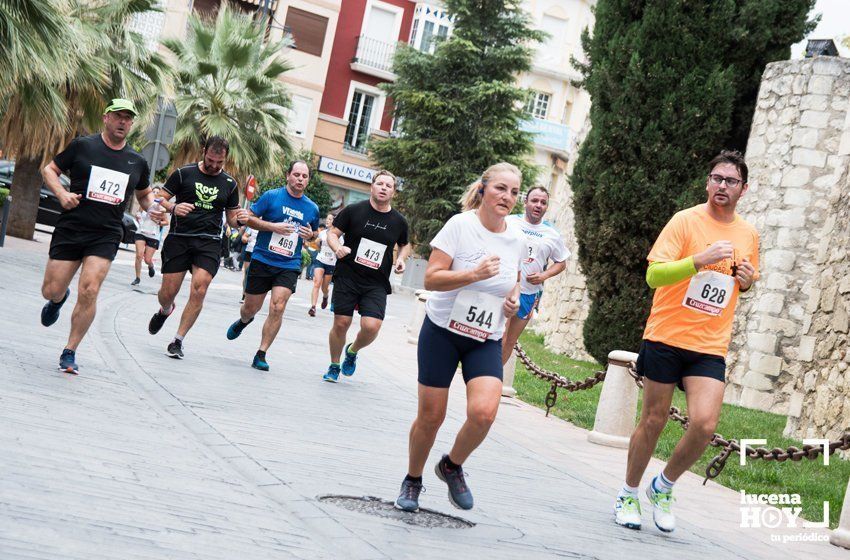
<point>4,194</point>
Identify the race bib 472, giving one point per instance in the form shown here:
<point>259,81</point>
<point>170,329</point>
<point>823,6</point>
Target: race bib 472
<point>107,185</point>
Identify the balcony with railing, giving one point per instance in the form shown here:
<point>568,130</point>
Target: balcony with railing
<point>374,57</point>
<point>551,136</point>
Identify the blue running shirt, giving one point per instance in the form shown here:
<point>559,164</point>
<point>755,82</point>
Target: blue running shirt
<point>279,206</point>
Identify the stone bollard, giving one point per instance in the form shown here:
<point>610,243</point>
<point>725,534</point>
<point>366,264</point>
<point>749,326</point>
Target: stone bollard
<point>508,377</point>
<point>615,413</point>
<point>418,316</point>
<point>841,535</point>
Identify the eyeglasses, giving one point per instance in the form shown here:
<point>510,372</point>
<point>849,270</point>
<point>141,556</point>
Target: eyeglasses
<point>731,182</point>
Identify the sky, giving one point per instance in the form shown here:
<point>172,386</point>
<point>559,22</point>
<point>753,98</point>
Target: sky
<point>834,24</point>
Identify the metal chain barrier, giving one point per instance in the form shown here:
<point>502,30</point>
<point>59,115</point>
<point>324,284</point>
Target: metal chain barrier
<point>728,447</point>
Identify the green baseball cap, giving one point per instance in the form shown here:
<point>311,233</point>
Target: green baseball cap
<point>119,104</point>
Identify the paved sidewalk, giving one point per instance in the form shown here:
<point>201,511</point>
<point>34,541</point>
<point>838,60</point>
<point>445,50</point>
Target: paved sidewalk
<point>142,456</point>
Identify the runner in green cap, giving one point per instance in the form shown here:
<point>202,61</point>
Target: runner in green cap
<point>104,171</point>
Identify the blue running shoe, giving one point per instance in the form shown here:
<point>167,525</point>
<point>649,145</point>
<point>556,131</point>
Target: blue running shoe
<point>67,362</point>
<point>459,494</point>
<point>408,498</point>
<point>234,330</point>
<point>50,311</point>
<point>332,375</point>
<point>260,363</point>
<point>349,364</point>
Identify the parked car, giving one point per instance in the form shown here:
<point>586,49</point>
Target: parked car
<point>7,169</point>
<point>49,210</point>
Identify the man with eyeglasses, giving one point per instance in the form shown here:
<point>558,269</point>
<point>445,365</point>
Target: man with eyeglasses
<point>702,259</point>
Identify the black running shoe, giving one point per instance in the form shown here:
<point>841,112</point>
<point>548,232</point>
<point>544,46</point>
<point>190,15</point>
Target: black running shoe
<point>68,362</point>
<point>175,349</point>
<point>408,498</point>
<point>151,271</point>
<point>50,311</point>
<point>459,494</point>
<point>158,320</point>
<point>136,282</point>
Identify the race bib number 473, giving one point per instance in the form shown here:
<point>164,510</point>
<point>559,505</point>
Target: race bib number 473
<point>107,185</point>
<point>370,254</point>
<point>709,292</point>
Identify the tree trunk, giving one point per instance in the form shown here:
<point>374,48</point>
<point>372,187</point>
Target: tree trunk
<point>26,188</point>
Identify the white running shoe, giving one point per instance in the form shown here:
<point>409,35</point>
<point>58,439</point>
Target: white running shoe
<point>627,511</point>
<point>662,509</point>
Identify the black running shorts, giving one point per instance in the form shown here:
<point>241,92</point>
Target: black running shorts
<point>369,301</point>
<point>152,243</point>
<point>70,245</point>
<point>263,277</point>
<point>439,351</point>
<point>668,364</point>
<point>181,253</point>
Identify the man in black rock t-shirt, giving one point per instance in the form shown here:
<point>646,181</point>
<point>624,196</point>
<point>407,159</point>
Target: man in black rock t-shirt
<point>197,195</point>
<point>104,173</point>
<point>362,276</point>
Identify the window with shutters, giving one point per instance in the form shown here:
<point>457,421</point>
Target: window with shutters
<point>308,30</point>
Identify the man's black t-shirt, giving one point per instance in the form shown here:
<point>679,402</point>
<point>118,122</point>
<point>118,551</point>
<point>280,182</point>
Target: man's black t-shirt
<point>372,237</point>
<point>211,195</point>
<point>106,178</point>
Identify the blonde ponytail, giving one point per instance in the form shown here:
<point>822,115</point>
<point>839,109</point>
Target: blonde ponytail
<point>471,199</point>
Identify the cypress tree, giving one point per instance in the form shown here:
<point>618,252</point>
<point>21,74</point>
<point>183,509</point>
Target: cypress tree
<point>669,86</point>
<point>460,110</point>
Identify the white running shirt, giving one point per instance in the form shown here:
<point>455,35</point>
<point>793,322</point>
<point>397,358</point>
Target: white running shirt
<point>326,254</point>
<point>544,243</point>
<point>467,241</point>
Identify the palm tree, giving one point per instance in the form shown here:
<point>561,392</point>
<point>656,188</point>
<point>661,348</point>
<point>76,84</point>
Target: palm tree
<point>45,108</point>
<point>33,39</point>
<point>227,84</point>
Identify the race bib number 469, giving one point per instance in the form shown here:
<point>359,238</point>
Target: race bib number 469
<point>709,292</point>
<point>370,254</point>
<point>283,244</point>
<point>476,315</point>
<point>107,185</point>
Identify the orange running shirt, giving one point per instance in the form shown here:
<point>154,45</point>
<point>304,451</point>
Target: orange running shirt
<point>697,313</point>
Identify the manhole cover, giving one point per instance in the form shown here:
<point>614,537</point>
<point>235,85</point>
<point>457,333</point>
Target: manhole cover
<point>383,508</point>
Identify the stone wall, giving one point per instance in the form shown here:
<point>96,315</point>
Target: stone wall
<point>791,331</point>
<point>565,302</point>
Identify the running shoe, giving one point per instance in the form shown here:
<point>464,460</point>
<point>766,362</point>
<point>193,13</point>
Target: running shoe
<point>325,302</point>
<point>408,498</point>
<point>151,271</point>
<point>175,349</point>
<point>332,375</point>
<point>68,363</point>
<point>312,311</point>
<point>50,311</point>
<point>662,506</point>
<point>627,511</point>
<point>349,364</point>
<point>136,282</point>
<point>459,494</point>
<point>260,363</point>
<point>235,329</point>
<point>158,320</point>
